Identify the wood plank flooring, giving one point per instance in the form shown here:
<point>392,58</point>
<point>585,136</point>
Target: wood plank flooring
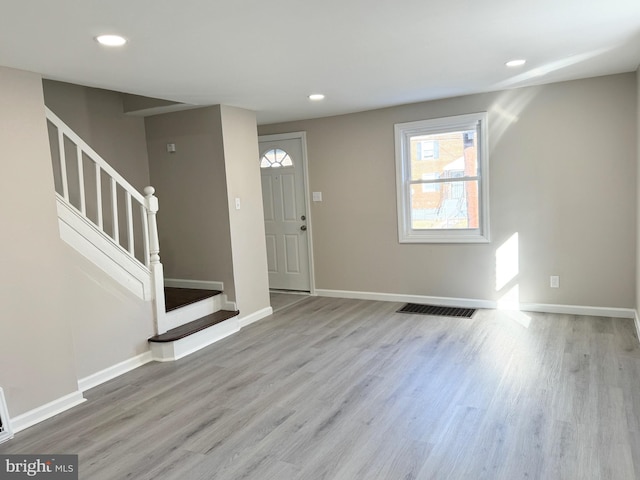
<point>280,300</point>
<point>347,389</point>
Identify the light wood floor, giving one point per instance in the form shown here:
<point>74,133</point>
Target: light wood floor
<point>347,389</point>
<point>280,300</point>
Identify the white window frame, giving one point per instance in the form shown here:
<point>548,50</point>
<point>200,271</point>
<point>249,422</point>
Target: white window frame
<point>403,133</point>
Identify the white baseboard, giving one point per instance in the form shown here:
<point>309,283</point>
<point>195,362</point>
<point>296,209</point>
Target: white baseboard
<point>46,411</point>
<point>637,323</point>
<point>255,316</point>
<point>114,371</point>
<point>397,297</point>
<point>478,303</point>
<point>227,305</point>
<point>197,284</point>
<point>161,352</point>
<point>578,310</point>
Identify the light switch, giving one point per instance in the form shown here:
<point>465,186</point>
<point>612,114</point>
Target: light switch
<point>317,196</point>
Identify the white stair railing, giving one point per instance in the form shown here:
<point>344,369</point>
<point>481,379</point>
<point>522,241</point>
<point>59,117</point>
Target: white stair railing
<point>71,190</point>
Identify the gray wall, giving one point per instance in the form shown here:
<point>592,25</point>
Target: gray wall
<point>62,318</point>
<point>562,176</point>
<point>109,323</point>
<point>240,137</point>
<point>98,117</point>
<point>37,356</point>
<point>193,221</point>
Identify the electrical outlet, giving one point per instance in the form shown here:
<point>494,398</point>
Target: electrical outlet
<point>554,281</point>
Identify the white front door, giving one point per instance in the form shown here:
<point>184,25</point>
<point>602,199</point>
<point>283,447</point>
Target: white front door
<point>285,212</point>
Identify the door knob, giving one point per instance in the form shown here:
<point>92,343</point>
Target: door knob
<point>303,228</point>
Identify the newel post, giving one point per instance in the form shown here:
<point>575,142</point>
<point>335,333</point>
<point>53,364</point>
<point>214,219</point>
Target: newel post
<point>157,274</point>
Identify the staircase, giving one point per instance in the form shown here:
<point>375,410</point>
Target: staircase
<point>113,225</point>
<point>187,336</point>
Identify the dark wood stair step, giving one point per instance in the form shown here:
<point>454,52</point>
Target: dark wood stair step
<point>193,327</point>
<point>175,298</point>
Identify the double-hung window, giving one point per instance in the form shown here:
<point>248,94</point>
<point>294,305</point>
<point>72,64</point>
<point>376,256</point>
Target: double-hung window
<point>442,182</point>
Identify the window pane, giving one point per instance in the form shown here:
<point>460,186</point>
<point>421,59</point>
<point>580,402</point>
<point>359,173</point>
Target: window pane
<point>279,155</point>
<point>430,187</point>
<point>276,158</point>
<point>444,155</point>
<point>450,205</point>
<point>441,179</point>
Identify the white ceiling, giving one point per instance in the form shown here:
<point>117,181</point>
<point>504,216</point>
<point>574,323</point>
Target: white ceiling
<point>267,56</point>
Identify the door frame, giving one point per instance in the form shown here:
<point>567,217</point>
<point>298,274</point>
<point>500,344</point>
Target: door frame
<point>302,136</point>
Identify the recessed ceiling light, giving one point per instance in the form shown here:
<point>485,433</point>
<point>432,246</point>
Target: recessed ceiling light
<point>515,63</point>
<point>111,40</point>
<point>316,96</point>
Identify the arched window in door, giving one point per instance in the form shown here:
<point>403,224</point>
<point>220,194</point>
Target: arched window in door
<point>276,158</point>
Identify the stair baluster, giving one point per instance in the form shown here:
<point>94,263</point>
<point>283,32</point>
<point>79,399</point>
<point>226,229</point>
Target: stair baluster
<point>148,270</point>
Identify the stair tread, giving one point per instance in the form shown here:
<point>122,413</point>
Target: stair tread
<point>175,298</point>
<point>193,327</point>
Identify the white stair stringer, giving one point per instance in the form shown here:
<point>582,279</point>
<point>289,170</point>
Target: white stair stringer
<point>79,232</point>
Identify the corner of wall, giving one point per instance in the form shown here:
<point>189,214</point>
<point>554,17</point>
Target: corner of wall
<point>637,130</point>
<point>248,243</point>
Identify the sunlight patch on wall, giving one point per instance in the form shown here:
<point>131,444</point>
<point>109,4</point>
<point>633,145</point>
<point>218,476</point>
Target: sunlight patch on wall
<point>507,287</point>
<point>506,111</point>
<point>507,267</point>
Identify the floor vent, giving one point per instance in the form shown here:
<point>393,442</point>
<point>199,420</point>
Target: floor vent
<point>438,310</point>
